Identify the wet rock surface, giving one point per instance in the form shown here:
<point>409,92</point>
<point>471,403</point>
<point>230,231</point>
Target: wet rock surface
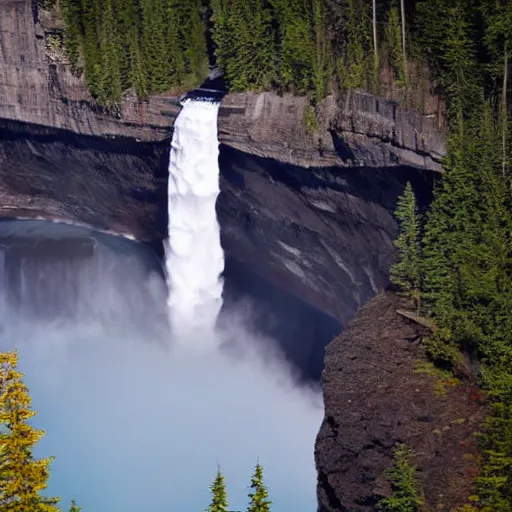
<point>320,235</point>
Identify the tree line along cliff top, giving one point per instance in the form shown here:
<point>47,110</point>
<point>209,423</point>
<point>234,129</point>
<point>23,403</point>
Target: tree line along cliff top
<point>311,47</point>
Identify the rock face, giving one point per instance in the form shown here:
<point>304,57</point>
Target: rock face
<point>379,391</point>
<point>38,87</point>
<point>359,130</point>
<point>111,184</point>
<point>323,234</point>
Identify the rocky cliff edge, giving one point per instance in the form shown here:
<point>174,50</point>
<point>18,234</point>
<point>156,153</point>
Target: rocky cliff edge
<point>38,87</point>
<point>379,390</point>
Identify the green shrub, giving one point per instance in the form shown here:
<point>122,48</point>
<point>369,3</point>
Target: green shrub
<point>405,496</point>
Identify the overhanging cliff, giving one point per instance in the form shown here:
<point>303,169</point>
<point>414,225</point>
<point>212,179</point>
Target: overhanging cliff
<point>321,234</point>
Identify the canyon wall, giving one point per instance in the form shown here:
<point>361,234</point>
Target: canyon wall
<point>63,157</point>
<point>38,87</point>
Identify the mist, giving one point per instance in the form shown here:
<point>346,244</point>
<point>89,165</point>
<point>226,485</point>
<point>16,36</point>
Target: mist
<point>135,420</point>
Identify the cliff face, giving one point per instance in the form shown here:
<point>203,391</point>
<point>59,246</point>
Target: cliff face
<point>323,234</point>
<point>379,391</point>
<point>37,87</point>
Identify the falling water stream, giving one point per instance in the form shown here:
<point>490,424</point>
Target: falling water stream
<point>194,256</point>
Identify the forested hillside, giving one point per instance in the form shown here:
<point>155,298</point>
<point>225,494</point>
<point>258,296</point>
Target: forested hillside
<point>305,46</point>
<point>150,46</point>
<point>457,261</point>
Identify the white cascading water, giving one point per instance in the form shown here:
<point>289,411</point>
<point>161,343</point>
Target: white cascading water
<point>194,256</point>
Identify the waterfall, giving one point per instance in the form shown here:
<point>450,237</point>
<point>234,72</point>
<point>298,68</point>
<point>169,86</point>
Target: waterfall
<point>194,256</point>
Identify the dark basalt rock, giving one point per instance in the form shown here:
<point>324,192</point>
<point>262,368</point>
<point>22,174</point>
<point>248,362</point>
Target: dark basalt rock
<point>374,398</point>
<point>322,236</point>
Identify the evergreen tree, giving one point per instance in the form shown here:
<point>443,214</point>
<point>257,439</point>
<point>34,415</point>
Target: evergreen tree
<point>406,272</point>
<point>192,43</point>
<point>22,477</point>
<point>221,32</point>
<point>498,39</point>
<point>73,33</point>
<point>323,62</point>
<point>74,507</point>
<point>154,46</point>
<point>246,43</point>
<point>259,501</point>
<point>394,43</point>
<point>218,489</point>
<point>109,72</point>
<point>128,26</point>
<point>355,66</point>
<point>91,15</point>
<point>404,38</point>
<point>405,496</point>
<point>468,274</point>
<point>296,44</point>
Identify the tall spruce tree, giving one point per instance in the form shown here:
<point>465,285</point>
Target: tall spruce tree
<point>22,478</point>
<point>154,45</point>
<point>259,501</point>
<point>323,61</point>
<point>394,43</point>
<point>498,39</point>
<point>406,273</point>
<point>192,42</point>
<point>219,492</point>
<point>296,35</point>
<point>73,33</point>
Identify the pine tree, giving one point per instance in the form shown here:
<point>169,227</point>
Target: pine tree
<point>22,477</point>
<point>404,38</point>
<point>154,46</point>
<point>219,501</point>
<point>394,43</point>
<point>323,64</point>
<point>192,42</point>
<point>405,496</point>
<point>406,272</point>
<point>296,44</point>
<point>498,40</point>
<point>73,33</point>
<point>259,501</point>
<point>355,66</point>
<point>109,84</point>
<point>91,16</point>
<point>74,507</point>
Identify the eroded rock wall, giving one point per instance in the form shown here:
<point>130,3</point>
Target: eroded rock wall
<point>322,234</point>
<point>379,390</point>
<point>38,87</point>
